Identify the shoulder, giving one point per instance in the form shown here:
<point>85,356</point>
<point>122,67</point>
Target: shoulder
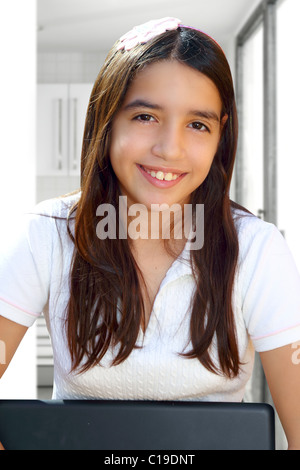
<point>255,235</point>
<point>59,207</point>
<point>246,221</point>
<point>268,283</point>
<point>264,255</point>
<point>47,222</point>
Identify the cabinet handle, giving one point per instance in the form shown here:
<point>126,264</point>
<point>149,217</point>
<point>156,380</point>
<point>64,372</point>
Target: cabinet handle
<point>58,135</point>
<point>74,117</point>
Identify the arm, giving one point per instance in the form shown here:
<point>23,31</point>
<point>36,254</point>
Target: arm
<point>11,334</point>
<point>282,370</point>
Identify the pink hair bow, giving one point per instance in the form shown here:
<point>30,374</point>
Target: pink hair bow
<point>144,32</point>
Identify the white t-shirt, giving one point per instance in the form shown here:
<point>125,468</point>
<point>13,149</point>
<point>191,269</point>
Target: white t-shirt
<point>34,278</point>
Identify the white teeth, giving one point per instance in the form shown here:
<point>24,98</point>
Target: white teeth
<point>160,175</point>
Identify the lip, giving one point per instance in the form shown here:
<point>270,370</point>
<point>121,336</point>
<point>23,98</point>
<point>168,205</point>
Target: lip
<point>161,183</point>
<point>175,171</point>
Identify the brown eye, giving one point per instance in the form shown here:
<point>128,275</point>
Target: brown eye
<point>199,126</point>
<point>144,117</point>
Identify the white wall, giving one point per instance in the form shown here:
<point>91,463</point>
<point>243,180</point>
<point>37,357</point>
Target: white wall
<point>17,156</point>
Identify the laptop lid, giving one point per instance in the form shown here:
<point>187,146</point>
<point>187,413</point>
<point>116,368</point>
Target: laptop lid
<point>135,425</point>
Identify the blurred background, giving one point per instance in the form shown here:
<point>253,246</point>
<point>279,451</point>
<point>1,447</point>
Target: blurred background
<point>51,52</point>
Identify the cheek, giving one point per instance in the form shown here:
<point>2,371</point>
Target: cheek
<point>123,141</point>
<point>119,148</point>
<point>204,156</point>
<point>126,151</point>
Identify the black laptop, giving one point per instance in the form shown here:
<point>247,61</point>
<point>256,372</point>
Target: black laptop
<point>135,425</point>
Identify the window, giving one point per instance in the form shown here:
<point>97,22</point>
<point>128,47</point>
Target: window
<point>256,185</point>
<point>251,124</point>
<point>268,159</point>
<point>288,105</point>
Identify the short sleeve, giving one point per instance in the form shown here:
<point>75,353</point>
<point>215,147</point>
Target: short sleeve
<point>270,286</point>
<point>25,264</point>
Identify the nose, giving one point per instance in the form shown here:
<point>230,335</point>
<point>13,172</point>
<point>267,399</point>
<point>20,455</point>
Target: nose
<point>169,143</point>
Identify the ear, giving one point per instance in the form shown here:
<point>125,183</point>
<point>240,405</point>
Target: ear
<point>223,122</point>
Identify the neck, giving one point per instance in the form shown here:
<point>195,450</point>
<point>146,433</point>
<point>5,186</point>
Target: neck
<point>160,222</point>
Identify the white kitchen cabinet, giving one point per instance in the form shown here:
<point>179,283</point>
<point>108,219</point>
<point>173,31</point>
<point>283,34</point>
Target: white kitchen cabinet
<point>61,112</point>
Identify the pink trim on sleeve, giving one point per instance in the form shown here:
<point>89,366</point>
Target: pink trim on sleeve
<point>275,332</point>
<point>19,308</point>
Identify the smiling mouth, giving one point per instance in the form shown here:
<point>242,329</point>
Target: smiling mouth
<point>161,175</point>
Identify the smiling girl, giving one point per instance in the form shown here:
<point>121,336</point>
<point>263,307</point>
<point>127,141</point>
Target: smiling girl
<point>149,318</point>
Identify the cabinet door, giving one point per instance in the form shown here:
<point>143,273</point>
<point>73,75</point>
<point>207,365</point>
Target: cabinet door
<point>52,129</point>
<point>79,95</point>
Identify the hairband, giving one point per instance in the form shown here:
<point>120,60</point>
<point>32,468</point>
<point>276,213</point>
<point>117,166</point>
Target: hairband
<point>146,31</point>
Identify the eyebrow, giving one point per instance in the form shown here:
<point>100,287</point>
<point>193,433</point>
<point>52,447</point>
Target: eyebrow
<point>210,115</point>
<point>139,103</point>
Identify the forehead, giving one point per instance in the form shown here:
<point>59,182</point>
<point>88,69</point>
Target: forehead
<point>171,82</point>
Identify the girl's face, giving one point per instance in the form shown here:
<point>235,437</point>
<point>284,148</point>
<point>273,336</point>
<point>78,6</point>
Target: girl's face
<point>165,136</point>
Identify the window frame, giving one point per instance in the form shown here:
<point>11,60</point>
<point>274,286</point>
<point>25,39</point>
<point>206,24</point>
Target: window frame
<point>265,15</point>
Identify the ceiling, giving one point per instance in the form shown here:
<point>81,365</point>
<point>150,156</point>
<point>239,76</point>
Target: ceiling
<point>94,25</point>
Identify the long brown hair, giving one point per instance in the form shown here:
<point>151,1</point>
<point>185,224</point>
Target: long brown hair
<point>106,304</point>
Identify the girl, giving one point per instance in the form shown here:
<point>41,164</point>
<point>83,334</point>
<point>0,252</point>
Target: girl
<point>151,317</point>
